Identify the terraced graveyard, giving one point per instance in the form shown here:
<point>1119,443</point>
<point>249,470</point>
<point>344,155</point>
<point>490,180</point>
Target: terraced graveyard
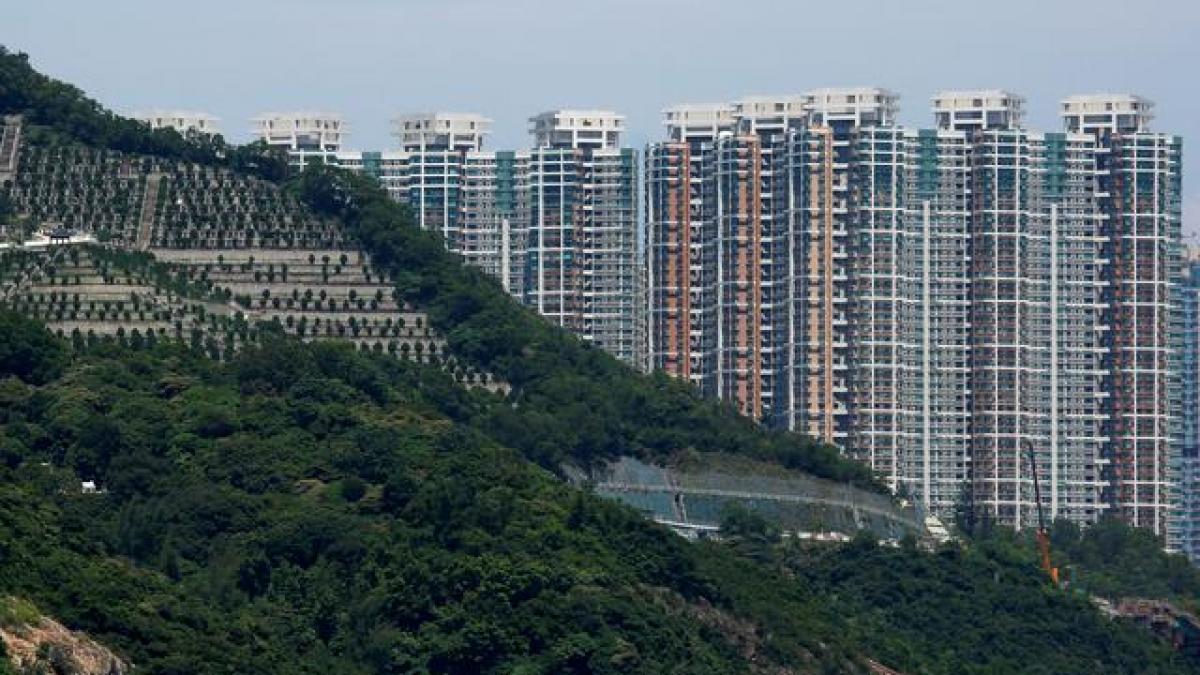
<point>190,253</point>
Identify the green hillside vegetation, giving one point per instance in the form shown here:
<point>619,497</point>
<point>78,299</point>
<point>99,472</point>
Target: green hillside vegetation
<point>1109,560</point>
<point>311,508</point>
<point>571,400</point>
<point>986,608</point>
<point>1114,561</point>
<point>576,402</point>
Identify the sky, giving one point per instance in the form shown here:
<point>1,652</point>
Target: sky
<point>508,59</point>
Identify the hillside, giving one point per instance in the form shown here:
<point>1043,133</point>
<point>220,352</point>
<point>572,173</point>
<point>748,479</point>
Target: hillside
<point>82,166</point>
<point>311,508</point>
<point>314,505</point>
<point>307,509</point>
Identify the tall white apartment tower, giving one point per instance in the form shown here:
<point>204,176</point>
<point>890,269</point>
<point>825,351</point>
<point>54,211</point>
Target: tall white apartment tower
<point>933,448</point>
<point>435,147</point>
<point>578,230</point>
<point>305,135</point>
<point>1140,177</point>
<point>1036,274</point>
<point>681,244</point>
<point>842,381</point>
<point>851,165</point>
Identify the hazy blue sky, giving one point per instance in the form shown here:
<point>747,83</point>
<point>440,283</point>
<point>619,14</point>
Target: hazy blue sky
<point>371,59</point>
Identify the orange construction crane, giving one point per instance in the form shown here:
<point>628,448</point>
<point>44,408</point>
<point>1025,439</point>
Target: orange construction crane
<point>1042,535</point>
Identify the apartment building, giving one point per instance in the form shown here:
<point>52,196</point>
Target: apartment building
<point>556,224</point>
<point>682,246</point>
<point>436,146</point>
<point>1187,513</point>
<point>306,136</point>
<point>182,121</point>
<point>749,266</point>
<point>957,307</point>
<point>1140,195</point>
<point>578,230</point>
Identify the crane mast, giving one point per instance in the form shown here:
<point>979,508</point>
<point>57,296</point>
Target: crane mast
<point>1042,535</point>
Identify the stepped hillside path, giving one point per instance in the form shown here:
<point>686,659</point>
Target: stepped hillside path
<point>149,208</point>
<point>10,140</point>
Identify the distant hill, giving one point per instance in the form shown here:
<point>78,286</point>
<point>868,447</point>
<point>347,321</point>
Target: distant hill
<point>323,506</point>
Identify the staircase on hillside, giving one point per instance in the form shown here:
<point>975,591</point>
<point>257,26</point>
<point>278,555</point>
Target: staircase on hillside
<point>149,209</point>
<point>10,140</point>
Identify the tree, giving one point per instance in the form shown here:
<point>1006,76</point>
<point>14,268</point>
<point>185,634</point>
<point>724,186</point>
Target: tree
<point>353,488</point>
<point>6,207</point>
<point>28,350</point>
<point>752,534</point>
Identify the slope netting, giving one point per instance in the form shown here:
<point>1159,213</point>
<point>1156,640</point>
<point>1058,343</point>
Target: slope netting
<point>798,503</point>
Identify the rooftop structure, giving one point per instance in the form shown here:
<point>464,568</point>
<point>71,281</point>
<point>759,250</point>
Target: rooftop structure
<point>571,128</point>
<point>463,132</point>
<point>701,120</point>
<point>179,120</point>
<point>858,106</point>
<point>768,113</point>
<point>1104,114</point>
<point>973,110</point>
<point>301,130</point>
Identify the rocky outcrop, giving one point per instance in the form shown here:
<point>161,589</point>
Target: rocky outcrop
<point>44,645</point>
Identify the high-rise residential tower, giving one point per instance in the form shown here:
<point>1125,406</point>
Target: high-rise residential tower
<point>456,188</point>
<point>577,230</point>
<point>1139,195</point>
<point>1188,431</point>
<point>958,307</point>
<point>721,252</point>
<point>681,246</point>
<point>848,288</point>
<point>555,224</point>
<point>306,136</point>
<point>436,146</point>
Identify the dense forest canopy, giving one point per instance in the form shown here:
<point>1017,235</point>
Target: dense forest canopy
<point>310,508</point>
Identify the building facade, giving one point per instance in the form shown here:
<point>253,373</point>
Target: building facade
<point>681,245</point>
<point>957,307</point>
<point>1188,330</point>
<point>556,224</point>
<point>306,136</point>
<point>578,230</point>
